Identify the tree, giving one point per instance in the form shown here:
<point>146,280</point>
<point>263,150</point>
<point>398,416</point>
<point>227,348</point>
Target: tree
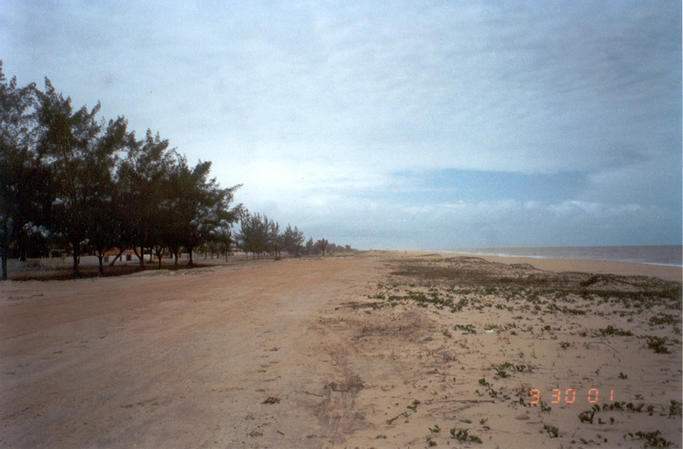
<point>193,206</point>
<point>139,189</point>
<point>25,187</point>
<point>322,245</point>
<point>221,241</point>
<point>255,233</point>
<point>99,166</point>
<point>66,138</point>
<point>293,240</point>
<point>62,177</point>
<point>275,239</point>
<point>310,246</point>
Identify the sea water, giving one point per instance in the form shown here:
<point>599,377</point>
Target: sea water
<point>656,255</point>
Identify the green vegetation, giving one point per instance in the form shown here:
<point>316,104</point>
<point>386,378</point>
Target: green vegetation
<point>551,430</point>
<point>664,319</point>
<point>611,330</point>
<point>468,284</point>
<point>652,439</point>
<point>77,184</point>
<point>502,369</point>
<point>657,344</point>
<point>469,328</point>
<point>464,435</point>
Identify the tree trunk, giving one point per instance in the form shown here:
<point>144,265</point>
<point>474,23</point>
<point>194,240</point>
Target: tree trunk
<point>117,258</point>
<point>76,248</point>
<point>4,263</point>
<point>140,256</point>
<point>189,264</point>
<point>4,247</point>
<point>100,255</point>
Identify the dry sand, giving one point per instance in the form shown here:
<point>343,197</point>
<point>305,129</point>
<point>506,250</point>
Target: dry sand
<point>376,350</point>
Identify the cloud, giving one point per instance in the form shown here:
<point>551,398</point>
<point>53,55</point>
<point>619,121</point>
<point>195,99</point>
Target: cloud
<point>344,116</point>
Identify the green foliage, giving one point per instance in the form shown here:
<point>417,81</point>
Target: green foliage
<point>469,328</point>
<point>25,181</point>
<point>652,439</point>
<point>611,330</point>
<point>664,319</point>
<point>293,240</point>
<point>464,435</point>
<point>551,430</point>
<point>88,184</point>
<point>657,344</point>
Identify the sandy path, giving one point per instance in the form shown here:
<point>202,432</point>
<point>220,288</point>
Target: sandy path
<point>175,360</point>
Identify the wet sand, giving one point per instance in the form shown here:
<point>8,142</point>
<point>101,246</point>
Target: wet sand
<point>375,350</point>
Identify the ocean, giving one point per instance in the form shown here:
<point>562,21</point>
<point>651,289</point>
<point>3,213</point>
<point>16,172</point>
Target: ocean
<point>670,255</point>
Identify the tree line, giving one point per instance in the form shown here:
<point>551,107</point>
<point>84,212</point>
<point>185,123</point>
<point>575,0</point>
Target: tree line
<point>89,185</point>
<point>260,235</point>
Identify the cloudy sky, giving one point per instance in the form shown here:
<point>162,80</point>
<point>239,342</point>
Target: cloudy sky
<point>394,124</point>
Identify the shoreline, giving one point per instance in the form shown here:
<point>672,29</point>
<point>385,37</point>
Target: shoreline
<point>668,273</point>
<point>506,256</point>
<point>558,265</point>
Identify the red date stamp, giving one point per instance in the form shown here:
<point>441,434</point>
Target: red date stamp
<point>569,395</point>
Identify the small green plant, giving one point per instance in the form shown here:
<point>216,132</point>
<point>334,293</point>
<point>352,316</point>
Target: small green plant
<point>565,344</point>
<point>469,328</point>
<point>464,435</point>
<point>652,439</point>
<point>430,442</point>
<point>663,319</point>
<point>414,405</point>
<point>503,368</point>
<point>611,330</point>
<point>435,429</point>
<point>675,408</point>
<point>588,415</point>
<point>657,344</point>
<point>622,375</point>
<point>552,430</point>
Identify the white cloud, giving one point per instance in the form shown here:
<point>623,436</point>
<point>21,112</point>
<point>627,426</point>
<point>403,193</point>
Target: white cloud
<point>315,108</point>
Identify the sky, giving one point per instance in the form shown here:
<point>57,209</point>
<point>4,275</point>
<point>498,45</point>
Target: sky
<point>394,125</point>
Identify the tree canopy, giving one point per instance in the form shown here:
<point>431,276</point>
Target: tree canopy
<point>80,183</point>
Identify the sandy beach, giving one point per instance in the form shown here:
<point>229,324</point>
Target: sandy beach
<point>378,349</point>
